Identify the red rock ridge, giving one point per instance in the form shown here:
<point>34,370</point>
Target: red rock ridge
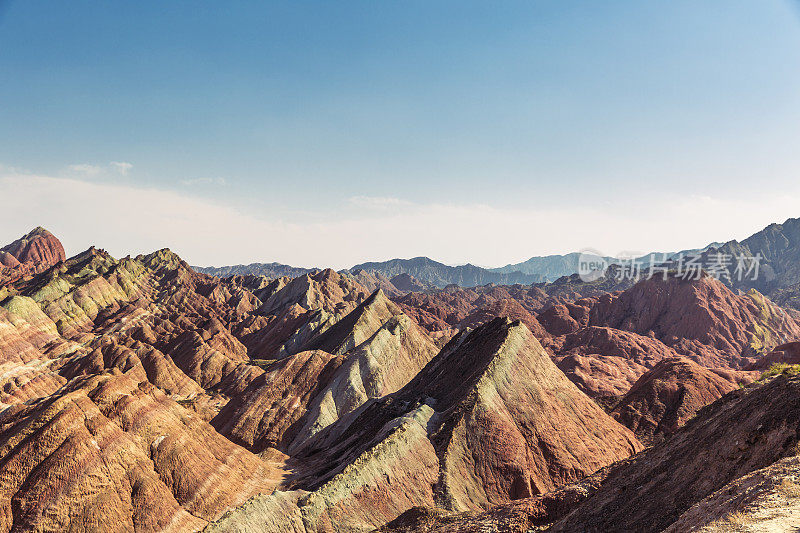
<point>38,247</point>
<point>670,394</point>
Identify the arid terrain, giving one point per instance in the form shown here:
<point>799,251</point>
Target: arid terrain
<point>141,394</point>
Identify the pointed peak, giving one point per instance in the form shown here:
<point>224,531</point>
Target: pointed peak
<point>91,256</point>
<point>377,296</point>
<point>379,301</point>
<point>327,274</point>
<point>37,231</point>
<point>164,257</point>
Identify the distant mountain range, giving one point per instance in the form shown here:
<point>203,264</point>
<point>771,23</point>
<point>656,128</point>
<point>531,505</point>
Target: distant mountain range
<point>270,270</point>
<point>539,269</point>
<point>423,269</point>
<point>779,270</point>
<point>441,275</point>
<point>777,244</point>
<point>552,267</point>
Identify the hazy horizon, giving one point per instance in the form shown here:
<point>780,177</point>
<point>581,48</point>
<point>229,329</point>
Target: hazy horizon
<point>623,253</point>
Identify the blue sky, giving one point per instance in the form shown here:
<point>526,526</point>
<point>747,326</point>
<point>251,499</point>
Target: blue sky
<point>327,133</point>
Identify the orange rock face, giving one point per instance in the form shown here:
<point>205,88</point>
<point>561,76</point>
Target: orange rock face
<point>733,466</point>
<point>109,358</point>
<point>446,309</point>
<point>605,341</point>
<point>8,260</point>
<point>605,344</point>
<point>152,351</point>
<point>701,319</point>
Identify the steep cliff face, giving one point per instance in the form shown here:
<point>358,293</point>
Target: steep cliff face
<point>733,467</point>
<point>605,341</point>
<point>152,351</point>
<point>604,344</point>
<point>371,352</point>
<point>294,312</point>
<point>109,369</point>
<point>519,411</point>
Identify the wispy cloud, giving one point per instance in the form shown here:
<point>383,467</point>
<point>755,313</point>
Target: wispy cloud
<point>7,169</point>
<point>378,202</point>
<point>121,167</point>
<point>203,181</point>
<point>88,170</point>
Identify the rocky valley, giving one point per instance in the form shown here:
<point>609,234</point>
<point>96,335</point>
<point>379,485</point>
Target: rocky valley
<point>140,394</point>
